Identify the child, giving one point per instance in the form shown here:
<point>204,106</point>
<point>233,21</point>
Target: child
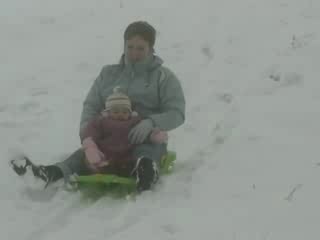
<point>105,139</point>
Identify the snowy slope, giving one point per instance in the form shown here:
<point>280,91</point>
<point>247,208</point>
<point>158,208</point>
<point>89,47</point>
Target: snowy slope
<point>248,164</point>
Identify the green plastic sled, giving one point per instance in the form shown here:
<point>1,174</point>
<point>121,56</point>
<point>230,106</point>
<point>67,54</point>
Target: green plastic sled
<point>100,184</point>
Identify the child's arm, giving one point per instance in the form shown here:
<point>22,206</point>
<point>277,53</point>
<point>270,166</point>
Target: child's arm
<point>92,130</point>
<point>95,159</point>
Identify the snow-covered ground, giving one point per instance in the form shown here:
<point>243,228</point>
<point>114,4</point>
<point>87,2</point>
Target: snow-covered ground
<point>248,155</point>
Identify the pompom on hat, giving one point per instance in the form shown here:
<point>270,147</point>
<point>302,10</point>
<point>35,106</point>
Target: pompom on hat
<point>118,99</point>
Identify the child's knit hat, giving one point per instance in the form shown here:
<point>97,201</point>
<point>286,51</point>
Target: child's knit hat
<point>117,98</point>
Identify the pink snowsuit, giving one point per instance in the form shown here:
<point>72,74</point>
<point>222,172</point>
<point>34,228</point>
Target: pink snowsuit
<point>111,138</point>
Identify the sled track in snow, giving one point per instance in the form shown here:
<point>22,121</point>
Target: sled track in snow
<point>216,138</point>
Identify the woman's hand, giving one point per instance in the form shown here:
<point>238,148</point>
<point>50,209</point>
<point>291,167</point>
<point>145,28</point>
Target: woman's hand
<point>141,131</point>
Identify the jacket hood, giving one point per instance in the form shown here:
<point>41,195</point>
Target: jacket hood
<point>148,64</point>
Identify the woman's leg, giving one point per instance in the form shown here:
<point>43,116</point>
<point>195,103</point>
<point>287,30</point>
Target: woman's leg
<point>147,165</point>
<point>150,151</point>
<point>75,163</point>
<point>51,173</point>
<point>48,173</point>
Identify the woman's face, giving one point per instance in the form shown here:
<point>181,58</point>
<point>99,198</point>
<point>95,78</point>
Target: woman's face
<point>137,49</point>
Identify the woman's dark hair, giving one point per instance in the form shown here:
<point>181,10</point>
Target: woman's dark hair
<point>142,29</point>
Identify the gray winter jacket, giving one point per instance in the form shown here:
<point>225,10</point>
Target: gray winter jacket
<point>154,90</point>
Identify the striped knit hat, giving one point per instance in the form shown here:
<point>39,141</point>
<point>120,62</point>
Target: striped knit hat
<point>118,99</point>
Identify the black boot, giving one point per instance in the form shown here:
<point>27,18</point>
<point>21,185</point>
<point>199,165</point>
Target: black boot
<point>146,172</point>
<point>48,174</point>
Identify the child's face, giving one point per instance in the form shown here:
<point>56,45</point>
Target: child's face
<point>119,113</point>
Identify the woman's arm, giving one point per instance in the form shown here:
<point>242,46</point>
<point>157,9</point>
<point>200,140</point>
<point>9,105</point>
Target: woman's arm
<point>172,103</point>
<point>93,104</point>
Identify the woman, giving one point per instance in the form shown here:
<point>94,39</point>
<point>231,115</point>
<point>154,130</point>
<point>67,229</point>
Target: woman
<point>156,95</point>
